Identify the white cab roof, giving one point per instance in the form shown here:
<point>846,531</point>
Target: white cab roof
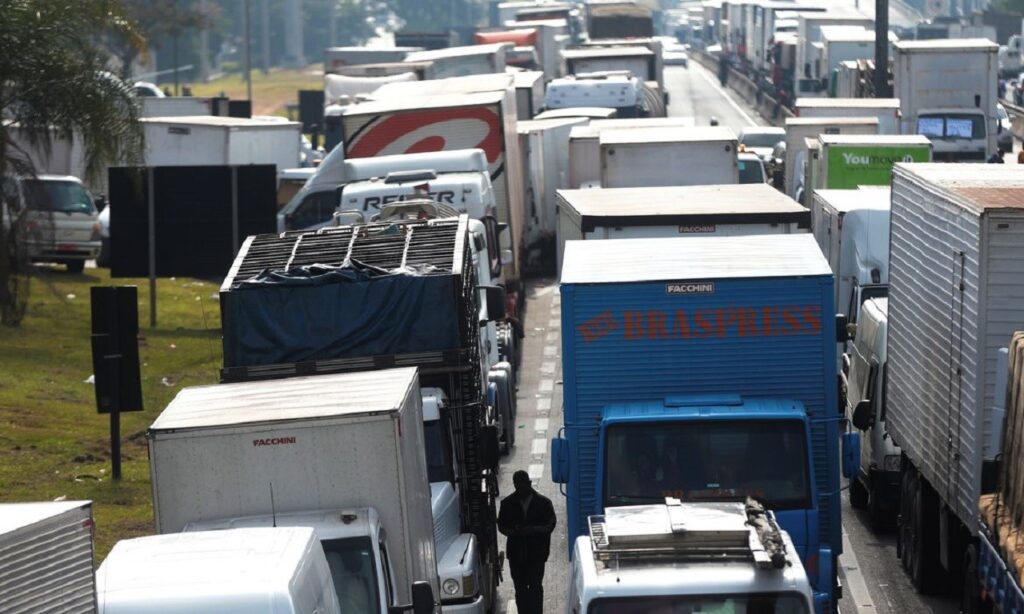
<point>247,566</point>
<point>222,122</point>
<point>455,52</point>
<point>295,398</point>
<point>831,121</point>
<point>851,103</point>
<point>471,84</point>
<point>606,52</point>
<point>666,134</point>
<point>14,516</point>
<point>424,102</point>
<point>943,45</point>
<point>676,259</point>
<point>592,112</point>
<point>845,201</point>
<point>717,200</point>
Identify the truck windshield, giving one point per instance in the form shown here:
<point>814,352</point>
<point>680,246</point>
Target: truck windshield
<point>438,450</point>
<point>59,197</point>
<point>755,603</point>
<point>708,460</point>
<point>952,126</point>
<point>354,573</point>
<point>750,171</point>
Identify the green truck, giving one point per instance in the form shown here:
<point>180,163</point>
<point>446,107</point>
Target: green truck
<point>845,161</point>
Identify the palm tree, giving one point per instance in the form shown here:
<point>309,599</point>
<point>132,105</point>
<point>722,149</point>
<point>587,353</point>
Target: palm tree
<point>54,84</point>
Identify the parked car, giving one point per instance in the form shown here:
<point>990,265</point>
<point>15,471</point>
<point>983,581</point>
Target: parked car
<point>59,221</point>
<point>1005,136</point>
<point>145,88</point>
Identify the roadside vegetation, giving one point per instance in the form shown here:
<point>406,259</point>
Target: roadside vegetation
<point>53,443</point>
<point>271,92</point>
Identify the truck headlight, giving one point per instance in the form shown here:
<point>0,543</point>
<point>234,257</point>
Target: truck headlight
<point>891,462</point>
<point>451,586</point>
<point>97,232</point>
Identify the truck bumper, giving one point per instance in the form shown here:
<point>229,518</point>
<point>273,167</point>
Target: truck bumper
<point>461,606</point>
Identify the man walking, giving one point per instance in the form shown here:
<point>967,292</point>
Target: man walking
<point>527,519</point>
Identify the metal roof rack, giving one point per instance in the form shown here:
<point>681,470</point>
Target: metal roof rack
<point>678,531</point>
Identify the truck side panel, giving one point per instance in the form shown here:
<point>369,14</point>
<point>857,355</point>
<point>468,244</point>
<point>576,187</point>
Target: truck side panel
<point>628,342</point>
<point>693,163</point>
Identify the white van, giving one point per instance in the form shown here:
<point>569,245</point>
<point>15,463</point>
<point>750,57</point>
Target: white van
<point>876,484</point>
<point>238,571</point>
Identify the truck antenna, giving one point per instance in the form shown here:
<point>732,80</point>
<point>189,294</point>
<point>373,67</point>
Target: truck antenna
<point>273,510</point>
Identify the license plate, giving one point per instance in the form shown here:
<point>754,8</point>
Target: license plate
<point>67,247</point>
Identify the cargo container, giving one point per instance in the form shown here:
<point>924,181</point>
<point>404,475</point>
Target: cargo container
<point>846,161</point>
<point>220,141</point>
<point>956,295</point>
<point>615,19</point>
<point>181,106</point>
<point>626,213</point>
<point>643,157</point>
<point>462,61</point>
<point>585,112</point>
<point>800,128</point>
<point>529,86</point>
<point>639,61</point>
<point>544,38</point>
<point>46,557</point>
<point>339,57</point>
<point>947,92</point>
<point>703,354</point>
<point>285,452</point>
<point>484,120</point>
<point>628,95</point>
<point>887,110</point>
<point>585,150</point>
<point>806,80</point>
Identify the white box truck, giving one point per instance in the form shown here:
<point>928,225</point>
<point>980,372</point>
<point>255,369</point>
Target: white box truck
<point>462,61</point>
<point>220,141</point>
<point>585,150</point>
<point>482,120</point>
<point>252,571</point>
<point>46,557</point>
<point>809,48</point>
<point>852,229</point>
<point>799,129</point>
<point>956,296</point>
<point>887,110</point>
<point>529,86</point>
<point>947,92</point>
<point>341,453</point>
<point>707,210</point>
<point>642,157</point>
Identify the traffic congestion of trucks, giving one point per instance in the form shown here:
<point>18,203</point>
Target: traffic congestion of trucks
<point>752,325</point>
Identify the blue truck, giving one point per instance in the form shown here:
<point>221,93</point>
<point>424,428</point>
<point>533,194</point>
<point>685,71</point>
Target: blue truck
<point>704,369</point>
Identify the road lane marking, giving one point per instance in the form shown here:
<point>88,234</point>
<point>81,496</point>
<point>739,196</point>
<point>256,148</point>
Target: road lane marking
<point>551,337</point>
<point>546,385</point>
<point>551,350</point>
<point>536,471</point>
<point>554,323</point>
<point>705,73</point>
<point>547,368</point>
<point>543,404</point>
<point>541,425</point>
<point>856,587</point>
<point>539,447</point>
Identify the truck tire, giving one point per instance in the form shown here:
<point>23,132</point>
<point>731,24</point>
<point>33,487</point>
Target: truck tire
<point>918,533</point>
<point>858,494</point>
<point>971,599</point>
<point>75,266</point>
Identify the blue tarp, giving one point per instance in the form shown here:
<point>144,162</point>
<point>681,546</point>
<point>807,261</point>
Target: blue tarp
<point>321,312</point>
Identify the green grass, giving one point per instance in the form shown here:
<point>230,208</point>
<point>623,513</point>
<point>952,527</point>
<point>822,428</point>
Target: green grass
<point>271,92</point>
<point>53,443</point>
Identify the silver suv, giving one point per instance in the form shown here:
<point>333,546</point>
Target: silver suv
<point>59,220</point>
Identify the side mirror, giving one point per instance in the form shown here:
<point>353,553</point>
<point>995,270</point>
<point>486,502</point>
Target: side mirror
<point>999,127</point>
<point>851,455</point>
<point>863,418</point>
<point>842,334</point>
<point>495,297</point>
<point>559,460</point>
<point>490,451</point>
<point>422,598</point>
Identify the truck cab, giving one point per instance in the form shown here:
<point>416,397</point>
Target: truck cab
<point>687,557</point>
<point>874,473</point>
<point>957,135</point>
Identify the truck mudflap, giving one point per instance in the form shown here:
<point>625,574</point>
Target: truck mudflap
<point>827,591</point>
<point>997,581</point>
<point>851,454</point>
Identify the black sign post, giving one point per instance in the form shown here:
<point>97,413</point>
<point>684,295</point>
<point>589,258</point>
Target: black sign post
<point>115,358</point>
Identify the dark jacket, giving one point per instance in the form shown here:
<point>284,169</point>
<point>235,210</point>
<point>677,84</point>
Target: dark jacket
<point>538,523</point>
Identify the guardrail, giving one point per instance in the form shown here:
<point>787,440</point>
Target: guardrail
<point>766,106</point>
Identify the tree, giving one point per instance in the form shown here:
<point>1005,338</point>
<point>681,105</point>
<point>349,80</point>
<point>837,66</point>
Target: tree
<point>54,85</point>
<point>158,22</point>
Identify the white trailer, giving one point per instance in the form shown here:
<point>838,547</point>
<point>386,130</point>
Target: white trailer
<point>887,110</point>
<point>220,141</point>
<point>956,296</point>
<point>947,92</point>
<point>585,150</point>
<point>806,81</point>
<point>708,210</point>
<point>799,129</point>
<point>462,61</point>
<point>253,571</point>
<point>46,557</point>
<point>852,229</point>
<point>529,86</point>
<point>844,43</point>
<point>339,57</point>
<point>289,451</point>
<point>643,157</point>
<point>177,106</point>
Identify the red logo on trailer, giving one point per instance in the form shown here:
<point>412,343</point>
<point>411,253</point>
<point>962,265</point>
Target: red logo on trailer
<point>429,130</point>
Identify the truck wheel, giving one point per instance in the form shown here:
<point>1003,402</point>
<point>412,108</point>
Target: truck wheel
<point>858,494</point>
<point>75,266</point>
<point>918,536</point>
<point>971,600</point>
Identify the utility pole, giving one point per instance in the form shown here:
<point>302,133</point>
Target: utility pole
<point>265,38</point>
<point>248,53</point>
<point>882,49</point>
